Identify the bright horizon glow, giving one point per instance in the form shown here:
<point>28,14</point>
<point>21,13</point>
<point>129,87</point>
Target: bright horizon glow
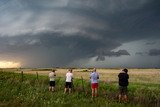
<point>9,64</point>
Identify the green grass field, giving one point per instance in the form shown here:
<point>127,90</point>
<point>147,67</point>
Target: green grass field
<point>30,90</point>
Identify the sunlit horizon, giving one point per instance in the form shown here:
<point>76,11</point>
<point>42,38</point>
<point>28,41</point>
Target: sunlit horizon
<point>9,64</point>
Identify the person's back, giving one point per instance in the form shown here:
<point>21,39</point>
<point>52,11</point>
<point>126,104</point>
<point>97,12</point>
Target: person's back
<point>69,77</point>
<point>94,77</point>
<point>123,79</point>
<point>52,76</point>
<point>123,83</point>
<point>69,80</point>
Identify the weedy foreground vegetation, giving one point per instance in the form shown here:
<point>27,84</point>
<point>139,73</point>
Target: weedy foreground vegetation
<point>30,90</point>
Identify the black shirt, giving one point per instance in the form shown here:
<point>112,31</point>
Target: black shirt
<point>123,79</point>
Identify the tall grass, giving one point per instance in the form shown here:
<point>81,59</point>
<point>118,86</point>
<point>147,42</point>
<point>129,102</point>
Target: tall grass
<point>33,92</point>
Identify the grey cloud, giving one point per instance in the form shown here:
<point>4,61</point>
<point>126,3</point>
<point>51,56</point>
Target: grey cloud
<point>150,43</point>
<point>119,53</point>
<point>100,58</point>
<point>18,43</point>
<point>154,52</point>
<point>139,53</point>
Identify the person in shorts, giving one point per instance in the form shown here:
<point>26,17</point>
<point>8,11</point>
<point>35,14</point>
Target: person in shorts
<point>123,83</point>
<point>52,76</point>
<point>94,76</point>
<point>69,81</point>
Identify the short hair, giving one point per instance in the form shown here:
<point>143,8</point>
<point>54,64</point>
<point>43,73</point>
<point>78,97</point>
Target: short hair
<point>125,70</point>
<point>53,70</point>
<point>70,70</point>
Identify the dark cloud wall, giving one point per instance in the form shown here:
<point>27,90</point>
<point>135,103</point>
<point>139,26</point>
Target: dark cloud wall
<point>60,32</point>
<point>154,52</point>
<point>50,49</point>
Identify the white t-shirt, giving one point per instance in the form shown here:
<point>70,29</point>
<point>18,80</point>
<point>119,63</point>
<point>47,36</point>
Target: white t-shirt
<point>94,77</point>
<point>52,76</point>
<point>69,77</point>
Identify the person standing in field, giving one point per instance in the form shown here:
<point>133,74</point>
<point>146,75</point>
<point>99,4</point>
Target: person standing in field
<point>52,76</point>
<point>94,77</point>
<point>69,81</point>
<point>123,83</point>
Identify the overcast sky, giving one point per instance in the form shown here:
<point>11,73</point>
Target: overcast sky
<point>81,33</point>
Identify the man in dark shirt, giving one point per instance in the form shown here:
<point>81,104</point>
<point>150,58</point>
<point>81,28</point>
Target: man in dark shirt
<point>123,83</point>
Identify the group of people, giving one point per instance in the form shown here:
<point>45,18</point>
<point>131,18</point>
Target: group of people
<point>94,78</point>
<point>68,84</point>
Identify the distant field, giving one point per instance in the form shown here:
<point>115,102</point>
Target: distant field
<point>109,75</point>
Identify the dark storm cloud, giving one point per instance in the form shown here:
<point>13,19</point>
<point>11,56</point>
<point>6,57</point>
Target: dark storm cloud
<point>128,23</point>
<point>101,57</point>
<point>58,32</point>
<point>125,20</point>
<point>154,52</point>
<point>52,49</point>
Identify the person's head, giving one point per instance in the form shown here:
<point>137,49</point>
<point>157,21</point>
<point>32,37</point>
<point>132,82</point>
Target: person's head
<point>53,70</point>
<point>125,70</point>
<point>70,70</point>
<point>94,69</point>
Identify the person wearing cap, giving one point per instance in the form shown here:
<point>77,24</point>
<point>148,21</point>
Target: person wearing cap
<point>52,76</point>
<point>123,83</point>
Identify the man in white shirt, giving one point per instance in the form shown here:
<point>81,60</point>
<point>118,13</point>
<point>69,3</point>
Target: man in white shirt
<point>69,78</point>
<point>52,76</point>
